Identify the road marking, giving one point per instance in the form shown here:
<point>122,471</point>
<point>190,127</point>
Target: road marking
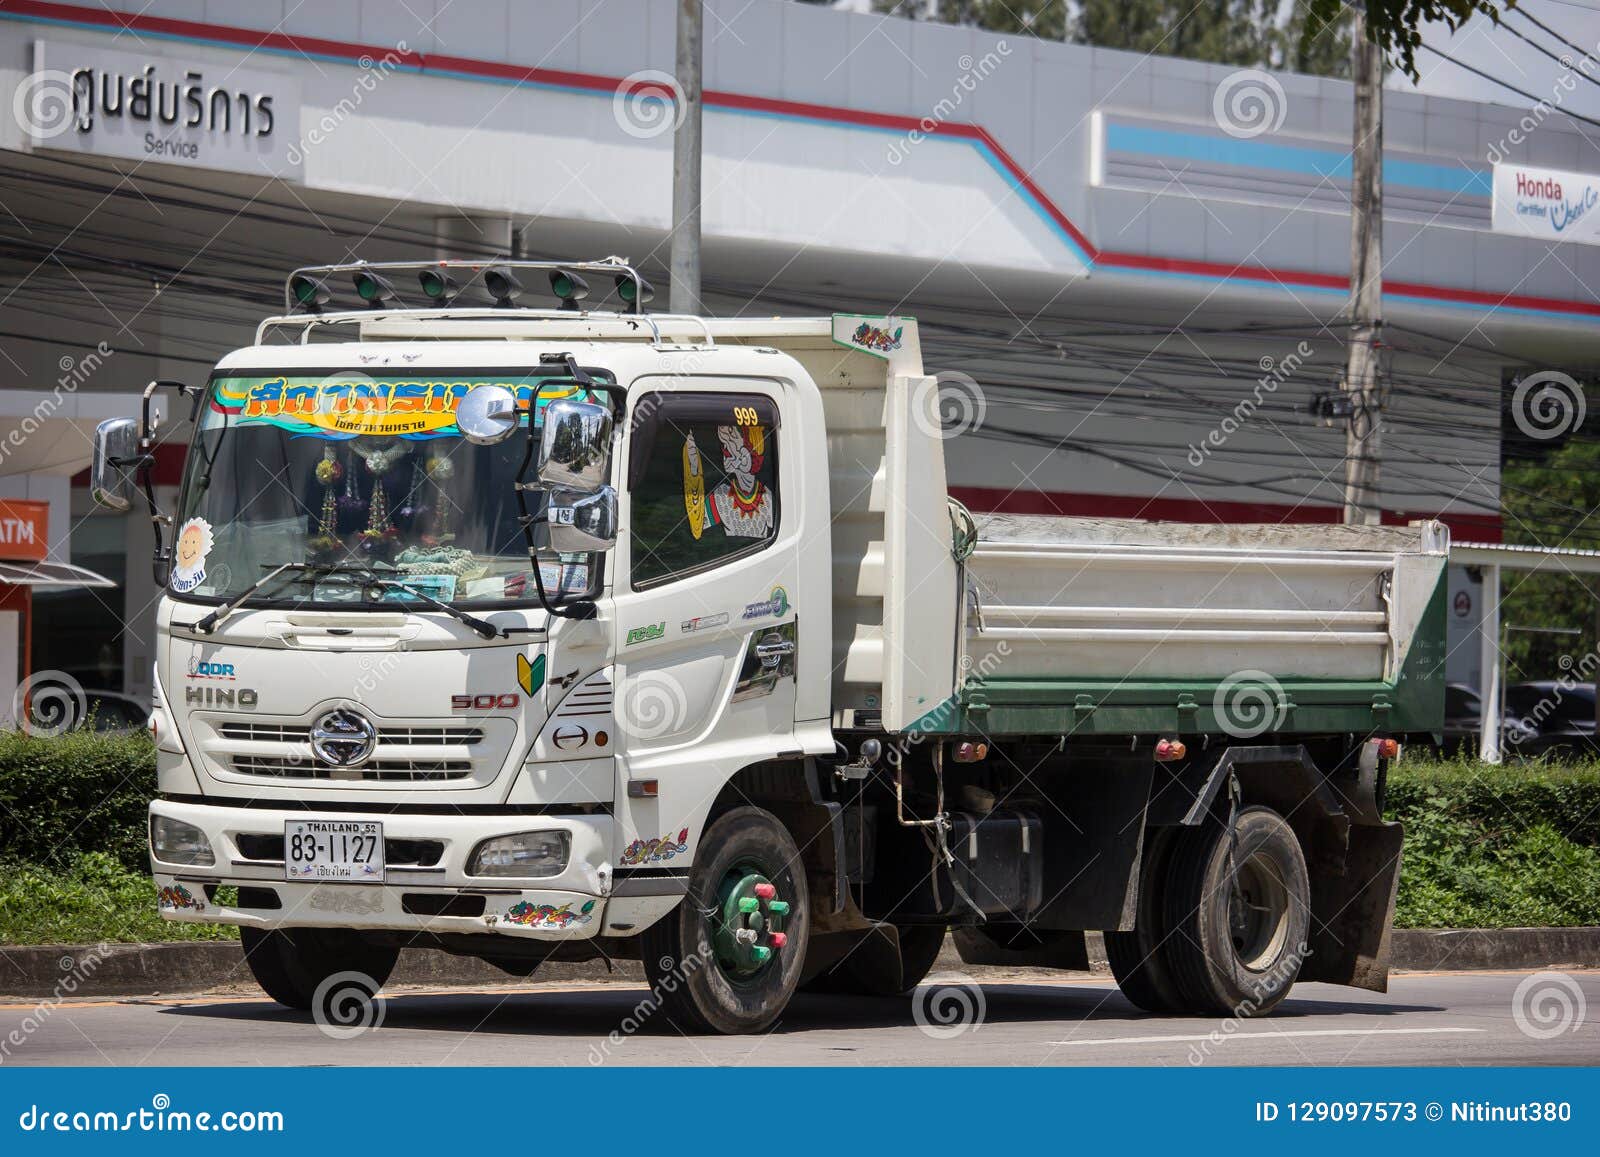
<point>1218,1035</point>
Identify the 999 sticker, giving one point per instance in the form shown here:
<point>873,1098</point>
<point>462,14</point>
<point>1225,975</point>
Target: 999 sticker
<point>193,548</point>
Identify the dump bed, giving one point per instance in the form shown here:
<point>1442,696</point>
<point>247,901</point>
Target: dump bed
<point>1111,626</point>
<point>1075,626</point>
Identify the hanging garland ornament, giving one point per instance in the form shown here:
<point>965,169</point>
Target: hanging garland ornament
<point>328,472</point>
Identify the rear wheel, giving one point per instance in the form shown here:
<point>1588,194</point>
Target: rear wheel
<point>729,957</point>
<point>1138,958</point>
<point>292,964</point>
<point>1238,907</point>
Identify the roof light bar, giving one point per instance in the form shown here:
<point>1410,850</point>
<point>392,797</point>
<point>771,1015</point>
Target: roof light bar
<point>634,291</point>
<point>569,287</point>
<point>309,293</point>
<point>374,289</point>
<point>502,285</point>
<point>438,286</point>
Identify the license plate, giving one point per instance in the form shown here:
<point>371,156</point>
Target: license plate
<point>333,850</point>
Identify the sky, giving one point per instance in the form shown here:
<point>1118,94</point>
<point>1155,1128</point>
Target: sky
<point>1497,51</point>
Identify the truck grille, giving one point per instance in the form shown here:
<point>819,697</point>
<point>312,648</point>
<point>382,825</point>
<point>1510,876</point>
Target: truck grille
<point>376,770</point>
<point>393,736</point>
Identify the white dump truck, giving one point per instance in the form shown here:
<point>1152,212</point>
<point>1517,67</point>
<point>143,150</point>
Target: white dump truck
<point>542,634</point>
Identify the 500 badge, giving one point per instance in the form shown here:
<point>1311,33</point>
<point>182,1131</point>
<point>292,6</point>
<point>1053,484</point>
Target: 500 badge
<point>508,701</point>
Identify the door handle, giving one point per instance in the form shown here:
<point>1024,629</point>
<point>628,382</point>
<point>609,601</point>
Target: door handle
<point>774,650</point>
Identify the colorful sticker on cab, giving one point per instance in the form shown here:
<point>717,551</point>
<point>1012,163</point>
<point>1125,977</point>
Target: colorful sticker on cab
<point>189,555</point>
<point>355,405</point>
<point>776,604</point>
<point>530,676</point>
<point>646,633</point>
<point>176,897</point>
<point>531,915</point>
<point>655,851</point>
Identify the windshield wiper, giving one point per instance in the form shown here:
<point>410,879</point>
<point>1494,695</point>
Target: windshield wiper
<point>309,569</point>
<point>209,623</point>
<point>484,628</point>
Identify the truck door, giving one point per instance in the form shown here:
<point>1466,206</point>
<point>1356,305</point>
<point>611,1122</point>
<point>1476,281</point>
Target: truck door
<point>705,594</point>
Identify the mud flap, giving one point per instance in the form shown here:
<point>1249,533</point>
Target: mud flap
<point>1351,912</point>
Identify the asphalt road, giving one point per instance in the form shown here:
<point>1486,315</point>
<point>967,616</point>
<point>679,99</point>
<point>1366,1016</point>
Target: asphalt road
<point>1427,1019</point>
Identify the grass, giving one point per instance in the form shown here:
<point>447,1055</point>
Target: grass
<point>95,900</point>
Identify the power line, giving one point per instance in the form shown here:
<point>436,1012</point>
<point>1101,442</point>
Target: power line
<point>1510,87</point>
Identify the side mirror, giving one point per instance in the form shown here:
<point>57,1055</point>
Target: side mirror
<point>487,415</point>
<point>582,522</point>
<point>575,450</point>
<point>116,453</point>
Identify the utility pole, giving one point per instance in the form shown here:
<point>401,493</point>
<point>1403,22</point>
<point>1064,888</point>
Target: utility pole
<point>685,288</point>
<point>1363,381</point>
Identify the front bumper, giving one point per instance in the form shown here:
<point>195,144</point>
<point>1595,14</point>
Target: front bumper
<point>433,896</point>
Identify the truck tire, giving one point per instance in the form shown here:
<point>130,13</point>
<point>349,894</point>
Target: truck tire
<point>1139,958</point>
<point>290,964</point>
<point>864,973</point>
<point>1237,951</point>
<point>709,973</point>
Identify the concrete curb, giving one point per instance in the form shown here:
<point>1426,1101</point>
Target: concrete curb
<point>77,971</point>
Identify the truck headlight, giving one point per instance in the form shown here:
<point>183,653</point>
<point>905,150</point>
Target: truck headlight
<point>175,842</point>
<point>526,854</point>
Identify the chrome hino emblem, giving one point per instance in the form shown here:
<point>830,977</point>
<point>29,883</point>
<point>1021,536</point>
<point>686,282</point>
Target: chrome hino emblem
<point>343,738</point>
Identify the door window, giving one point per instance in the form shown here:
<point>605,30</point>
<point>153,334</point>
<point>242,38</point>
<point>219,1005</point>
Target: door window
<point>703,480</point>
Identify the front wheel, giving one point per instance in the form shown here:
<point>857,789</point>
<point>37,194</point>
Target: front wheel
<point>729,957</point>
<point>293,964</point>
<point>1238,910</point>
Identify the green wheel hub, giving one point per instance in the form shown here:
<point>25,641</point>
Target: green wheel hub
<point>749,922</point>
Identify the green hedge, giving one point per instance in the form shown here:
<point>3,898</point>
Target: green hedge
<point>1508,846</point>
<point>1485,846</point>
<point>80,792</point>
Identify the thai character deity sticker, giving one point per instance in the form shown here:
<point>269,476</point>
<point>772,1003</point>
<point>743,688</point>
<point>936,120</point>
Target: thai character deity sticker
<point>194,547</point>
<point>741,505</point>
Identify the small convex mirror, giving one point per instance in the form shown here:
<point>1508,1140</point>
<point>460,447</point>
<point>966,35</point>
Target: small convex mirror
<point>487,415</point>
<point>582,522</point>
<point>116,446</point>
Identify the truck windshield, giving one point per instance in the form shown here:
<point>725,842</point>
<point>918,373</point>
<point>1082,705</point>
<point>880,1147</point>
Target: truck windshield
<point>361,473</point>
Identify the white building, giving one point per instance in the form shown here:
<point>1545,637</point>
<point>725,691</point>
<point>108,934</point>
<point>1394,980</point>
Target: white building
<point>1138,264</point>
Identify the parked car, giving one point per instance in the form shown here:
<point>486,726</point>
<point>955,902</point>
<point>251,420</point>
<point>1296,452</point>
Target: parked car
<point>113,711</point>
<point>1559,716</point>
<point>1463,721</point>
